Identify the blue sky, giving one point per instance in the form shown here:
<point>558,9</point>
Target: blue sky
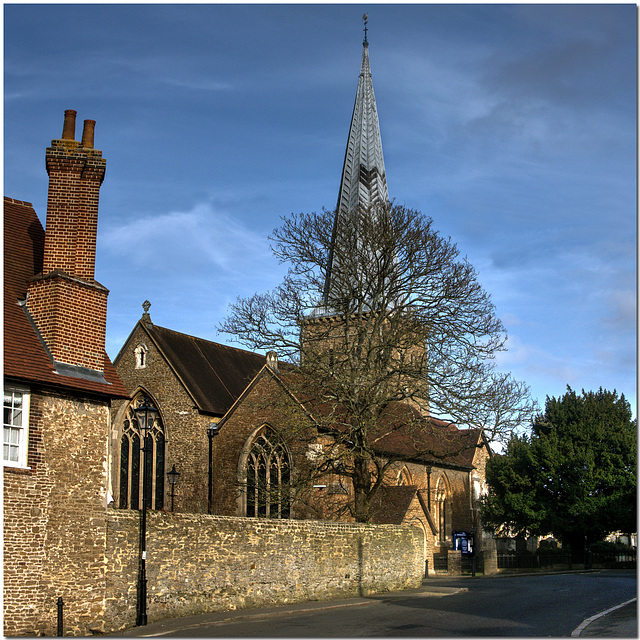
<point>512,126</point>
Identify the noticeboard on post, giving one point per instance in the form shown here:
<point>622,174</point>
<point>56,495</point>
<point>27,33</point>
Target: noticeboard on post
<point>463,542</point>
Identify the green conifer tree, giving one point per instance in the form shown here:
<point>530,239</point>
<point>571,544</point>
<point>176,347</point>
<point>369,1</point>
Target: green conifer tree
<point>574,476</point>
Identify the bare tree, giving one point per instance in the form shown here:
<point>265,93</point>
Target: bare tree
<point>389,331</point>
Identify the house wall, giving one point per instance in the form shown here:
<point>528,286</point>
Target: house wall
<point>55,517</point>
<point>200,563</point>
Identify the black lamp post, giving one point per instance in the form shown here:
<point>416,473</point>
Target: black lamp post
<point>429,469</point>
<point>212,431</point>
<point>172,476</point>
<point>145,414</point>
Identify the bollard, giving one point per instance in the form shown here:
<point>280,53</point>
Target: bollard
<point>60,619</point>
<point>426,568</point>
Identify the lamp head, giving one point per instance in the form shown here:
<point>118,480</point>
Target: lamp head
<point>145,412</point>
<point>173,475</point>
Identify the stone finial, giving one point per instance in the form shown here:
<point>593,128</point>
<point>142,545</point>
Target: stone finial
<point>146,305</point>
<point>272,361</point>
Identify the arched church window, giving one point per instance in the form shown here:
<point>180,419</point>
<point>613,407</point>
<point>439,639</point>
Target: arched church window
<point>404,478</point>
<point>268,471</point>
<point>441,510</point>
<point>136,470</point>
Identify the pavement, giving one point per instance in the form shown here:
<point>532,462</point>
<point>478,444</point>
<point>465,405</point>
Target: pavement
<point>620,621</point>
<point>617,622</point>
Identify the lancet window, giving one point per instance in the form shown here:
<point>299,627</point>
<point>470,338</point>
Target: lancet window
<point>268,470</point>
<point>441,510</point>
<point>136,469</point>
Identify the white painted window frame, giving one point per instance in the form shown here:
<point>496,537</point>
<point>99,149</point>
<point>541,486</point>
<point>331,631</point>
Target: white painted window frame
<point>23,437</point>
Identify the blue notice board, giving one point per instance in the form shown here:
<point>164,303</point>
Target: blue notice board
<point>463,542</point>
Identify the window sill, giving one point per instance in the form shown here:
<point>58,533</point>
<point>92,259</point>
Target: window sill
<point>17,469</point>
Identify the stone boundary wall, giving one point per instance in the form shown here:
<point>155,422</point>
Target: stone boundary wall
<point>199,563</point>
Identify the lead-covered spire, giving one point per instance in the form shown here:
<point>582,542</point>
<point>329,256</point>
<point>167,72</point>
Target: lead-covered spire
<point>363,185</point>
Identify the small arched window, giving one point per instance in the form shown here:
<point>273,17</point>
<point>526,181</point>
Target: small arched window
<point>268,470</point>
<point>141,356</point>
<point>135,469</point>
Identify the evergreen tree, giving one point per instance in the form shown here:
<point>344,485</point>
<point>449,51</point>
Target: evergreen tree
<point>574,476</point>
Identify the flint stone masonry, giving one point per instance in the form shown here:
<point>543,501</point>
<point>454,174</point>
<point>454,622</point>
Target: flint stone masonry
<point>199,563</point>
<point>55,519</point>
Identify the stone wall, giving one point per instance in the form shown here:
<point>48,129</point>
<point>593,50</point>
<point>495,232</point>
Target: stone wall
<point>199,563</point>
<point>55,518</point>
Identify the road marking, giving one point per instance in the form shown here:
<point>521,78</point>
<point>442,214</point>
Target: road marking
<point>578,630</point>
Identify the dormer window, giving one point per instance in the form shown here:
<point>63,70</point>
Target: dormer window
<point>141,356</point>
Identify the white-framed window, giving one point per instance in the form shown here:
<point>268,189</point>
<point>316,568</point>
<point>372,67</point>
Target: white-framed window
<point>15,426</point>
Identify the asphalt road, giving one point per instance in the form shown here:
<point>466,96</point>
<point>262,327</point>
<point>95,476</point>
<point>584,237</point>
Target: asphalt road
<point>530,606</point>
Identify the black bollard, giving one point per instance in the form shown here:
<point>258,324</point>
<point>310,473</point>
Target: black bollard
<point>60,619</point>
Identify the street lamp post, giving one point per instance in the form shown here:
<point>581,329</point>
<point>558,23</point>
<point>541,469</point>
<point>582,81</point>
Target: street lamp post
<point>145,414</point>
<point>173,476</point>
<point>212,431</point>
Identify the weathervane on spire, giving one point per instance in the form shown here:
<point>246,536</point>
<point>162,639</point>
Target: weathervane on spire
<point>365,42</point>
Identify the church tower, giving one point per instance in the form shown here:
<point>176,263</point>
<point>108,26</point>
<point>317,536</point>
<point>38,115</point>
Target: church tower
<point>363,184</point>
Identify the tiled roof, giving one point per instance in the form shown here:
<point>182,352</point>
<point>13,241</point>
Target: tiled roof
<point>25,357</point>
<point>431,440</point>
<point>403,430</point>
<point>214,374</point>
<point>391,503</point>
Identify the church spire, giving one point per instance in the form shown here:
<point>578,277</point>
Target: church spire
<point>363,184</point>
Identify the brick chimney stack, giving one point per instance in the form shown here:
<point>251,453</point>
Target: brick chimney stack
<point>67,304</point>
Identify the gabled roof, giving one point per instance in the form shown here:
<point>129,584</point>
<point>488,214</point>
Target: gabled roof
<point>213,374</point>
<point>433,441</point>
<point>25,356</point>
<point>404,433</point>
<point>390,505</point>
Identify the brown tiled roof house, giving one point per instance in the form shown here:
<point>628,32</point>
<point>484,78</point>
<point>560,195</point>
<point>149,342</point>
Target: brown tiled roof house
<point>58,388</point>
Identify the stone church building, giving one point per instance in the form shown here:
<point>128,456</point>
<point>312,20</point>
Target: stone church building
<point>194,431</point>
<point>216,417</point>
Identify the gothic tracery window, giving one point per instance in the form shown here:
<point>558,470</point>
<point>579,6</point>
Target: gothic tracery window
<point>268,474</point>
<point>136,470</point>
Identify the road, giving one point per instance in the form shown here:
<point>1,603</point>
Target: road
<point>531,606</point>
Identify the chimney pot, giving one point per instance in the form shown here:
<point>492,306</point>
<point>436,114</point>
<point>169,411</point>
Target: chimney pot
<point>87,134</point>
<point>69,127</point>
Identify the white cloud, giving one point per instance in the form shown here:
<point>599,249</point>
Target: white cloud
<point>188,241</point>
